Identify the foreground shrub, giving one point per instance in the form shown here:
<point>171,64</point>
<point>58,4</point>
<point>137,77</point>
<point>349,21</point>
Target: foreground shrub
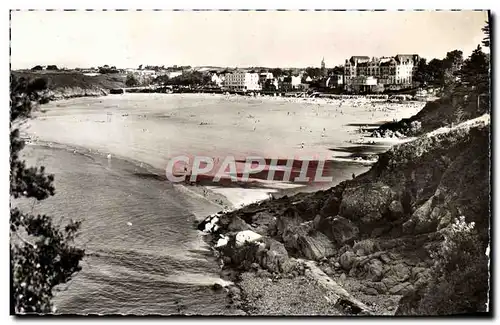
<point>459,283</point>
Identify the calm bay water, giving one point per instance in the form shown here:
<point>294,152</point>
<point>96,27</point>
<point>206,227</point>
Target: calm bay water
<point>144,254</point>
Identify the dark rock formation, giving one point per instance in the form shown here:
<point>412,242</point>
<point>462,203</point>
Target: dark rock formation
<point>381,227</point>
<point>339,230</point>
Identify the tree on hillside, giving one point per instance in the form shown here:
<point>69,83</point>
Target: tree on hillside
<point>41,253</point>
<point>436,72</point>
<point>486,39</point>
<point>314,73</point>
<point>193,78</point>
<point>453,58</point>
<point>52,67</point>
<point>163,79</point>
<point>277,72</point>
<point>422,74</point>
<point>451,64</point>
<point>475,72</point>
<point>37,68</point>
<point>269,85</point>
<point>107,69</point>
<point>131,81</point>
<point>337,70</point>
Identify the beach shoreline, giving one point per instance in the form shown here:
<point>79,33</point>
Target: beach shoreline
<point>116,134</point>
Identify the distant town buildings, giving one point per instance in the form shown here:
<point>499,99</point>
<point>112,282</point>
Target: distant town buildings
<point>264,76</point>
<point>359,74</point>
<point>292,83</point>
<point>334,81</point>
<point>242,81</point>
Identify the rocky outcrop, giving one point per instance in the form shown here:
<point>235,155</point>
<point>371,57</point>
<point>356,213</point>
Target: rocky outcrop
<point>338,229</point>
<point>343,299</point>
<point>366,203</point>
<point>382,227</point>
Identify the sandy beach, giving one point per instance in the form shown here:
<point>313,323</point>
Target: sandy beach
<point>150,129</point>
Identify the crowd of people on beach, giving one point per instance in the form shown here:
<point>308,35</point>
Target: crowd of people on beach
<point>350,101</point>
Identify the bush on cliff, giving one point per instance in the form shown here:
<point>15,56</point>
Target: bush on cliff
<point>131,81</point>
<point>459,282</point>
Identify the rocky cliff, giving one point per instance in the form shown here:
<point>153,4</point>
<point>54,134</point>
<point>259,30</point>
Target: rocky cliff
<point>379,234</point>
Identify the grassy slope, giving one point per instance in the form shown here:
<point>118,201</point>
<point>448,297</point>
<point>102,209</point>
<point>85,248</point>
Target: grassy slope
<point>439,113</point>
<point>73,79</point>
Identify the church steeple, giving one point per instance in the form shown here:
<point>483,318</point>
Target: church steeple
<point>323,67</point>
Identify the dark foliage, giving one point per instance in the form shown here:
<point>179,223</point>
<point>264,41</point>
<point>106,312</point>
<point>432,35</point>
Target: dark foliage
<point>486,39</point>
<point>314,72</point>
<point>459,283</point>
<point>41,254</point>
<point>192,78</point>
<point>107,69</point>
<point>131,81</point>
<point>277,72</point>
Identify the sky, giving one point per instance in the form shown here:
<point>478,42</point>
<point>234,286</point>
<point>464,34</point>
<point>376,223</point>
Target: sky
<point>127,39</point>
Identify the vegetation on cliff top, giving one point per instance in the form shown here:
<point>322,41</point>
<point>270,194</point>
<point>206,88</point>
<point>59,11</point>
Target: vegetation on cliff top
<point>57,80</point>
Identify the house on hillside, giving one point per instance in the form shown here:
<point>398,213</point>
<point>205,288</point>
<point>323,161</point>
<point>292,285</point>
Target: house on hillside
<point>264,76</point>
<point>291,83</point>
<point>335,81</point>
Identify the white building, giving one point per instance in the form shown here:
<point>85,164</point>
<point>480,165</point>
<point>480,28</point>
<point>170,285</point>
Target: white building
<point>242,81</point>
<point>173,74</point>
<point>265,76</point>
<point>296,81</point>
<point>218,80</point>
<point>335,81</point>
